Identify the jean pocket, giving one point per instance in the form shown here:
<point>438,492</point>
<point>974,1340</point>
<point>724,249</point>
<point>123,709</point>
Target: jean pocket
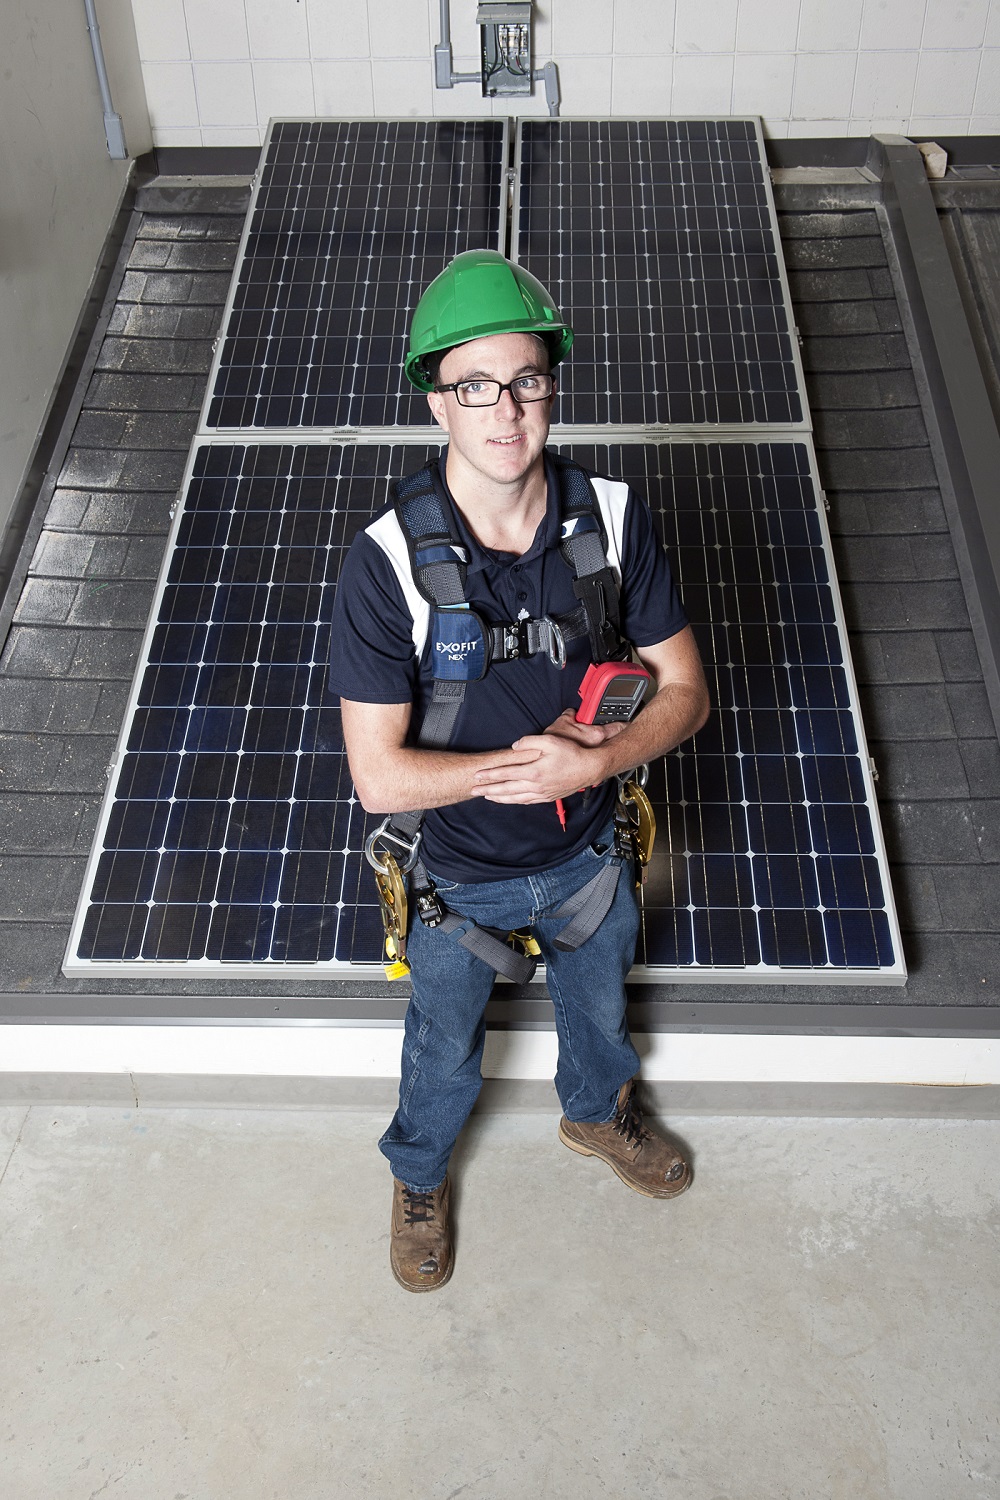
<point>443,887</point>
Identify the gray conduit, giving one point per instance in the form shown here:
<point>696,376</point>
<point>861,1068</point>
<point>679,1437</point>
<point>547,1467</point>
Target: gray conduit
<point>114,130</point>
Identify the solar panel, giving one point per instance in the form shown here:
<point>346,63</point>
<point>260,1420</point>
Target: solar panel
<point>349,222</point>
<point>658,242</point>
<point>231,839</point>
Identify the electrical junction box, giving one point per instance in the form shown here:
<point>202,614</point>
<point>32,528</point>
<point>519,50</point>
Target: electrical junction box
<point>505,29</point>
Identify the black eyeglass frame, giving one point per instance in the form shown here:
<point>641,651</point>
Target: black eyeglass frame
<point>456,386</point>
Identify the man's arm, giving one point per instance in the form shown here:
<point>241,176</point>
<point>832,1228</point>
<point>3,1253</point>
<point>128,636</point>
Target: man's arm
<point>570,756</point>
<point>391,776</point>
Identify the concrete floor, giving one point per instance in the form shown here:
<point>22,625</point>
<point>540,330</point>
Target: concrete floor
<point>198,1306</point>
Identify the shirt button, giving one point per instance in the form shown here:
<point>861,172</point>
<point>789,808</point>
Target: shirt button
<point>516,568</point>
<point>522,596</point>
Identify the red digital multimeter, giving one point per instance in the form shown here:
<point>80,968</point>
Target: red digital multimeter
<point>611,693</point>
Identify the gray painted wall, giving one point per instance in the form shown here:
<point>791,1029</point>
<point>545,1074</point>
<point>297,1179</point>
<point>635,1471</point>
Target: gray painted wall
<point>59,191</point>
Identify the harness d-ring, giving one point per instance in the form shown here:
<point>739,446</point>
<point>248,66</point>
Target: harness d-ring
<point>403,850</point>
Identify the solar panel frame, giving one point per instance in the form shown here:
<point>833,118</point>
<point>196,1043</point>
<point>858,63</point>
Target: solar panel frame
<point>797,388</point>
<point>414,450</point>
<point>208,428</point>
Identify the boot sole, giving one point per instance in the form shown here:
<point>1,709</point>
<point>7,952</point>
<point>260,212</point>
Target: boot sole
<point>409,1286</point>
<point>630,1182</point>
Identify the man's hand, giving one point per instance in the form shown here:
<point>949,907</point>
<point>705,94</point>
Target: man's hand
<point>560,764</point>
<point>589,735</point>
<point>570,756</point>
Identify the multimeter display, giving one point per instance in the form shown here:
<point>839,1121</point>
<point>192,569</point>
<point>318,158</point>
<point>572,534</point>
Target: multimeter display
<point>611,693</point>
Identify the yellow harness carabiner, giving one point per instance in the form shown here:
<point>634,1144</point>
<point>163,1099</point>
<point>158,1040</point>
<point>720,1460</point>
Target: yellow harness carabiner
<point>391,885</point>
<point>642,823</point>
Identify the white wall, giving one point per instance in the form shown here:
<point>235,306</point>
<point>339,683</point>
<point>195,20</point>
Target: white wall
<point>58,193</point>
<point>215,70</point>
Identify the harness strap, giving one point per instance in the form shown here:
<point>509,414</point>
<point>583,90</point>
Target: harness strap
<point>588,907</point>
<point>439,720</point>
<point>485,945</point>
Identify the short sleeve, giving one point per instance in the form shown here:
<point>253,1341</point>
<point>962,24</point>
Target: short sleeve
<point>372,659</point>
<point>651,606</point>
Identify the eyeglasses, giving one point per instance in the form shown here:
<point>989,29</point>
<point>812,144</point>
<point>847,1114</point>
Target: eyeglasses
<point>488,392</point>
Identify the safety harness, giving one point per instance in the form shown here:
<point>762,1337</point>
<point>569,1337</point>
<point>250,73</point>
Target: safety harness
<point>463,648</point>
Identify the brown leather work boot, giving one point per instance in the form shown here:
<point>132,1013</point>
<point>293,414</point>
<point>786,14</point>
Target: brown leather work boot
<point>420,1245</point>
<point>641,1158</point>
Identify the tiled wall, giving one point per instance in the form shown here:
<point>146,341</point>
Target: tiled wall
<point>216,70</point>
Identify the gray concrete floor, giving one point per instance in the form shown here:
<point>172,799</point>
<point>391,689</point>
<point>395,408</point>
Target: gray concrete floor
<point>198,1306</point>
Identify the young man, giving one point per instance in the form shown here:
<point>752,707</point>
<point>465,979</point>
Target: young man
<point>508,839</point>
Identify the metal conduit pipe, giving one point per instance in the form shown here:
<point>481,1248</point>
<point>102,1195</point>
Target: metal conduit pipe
<point>444,78</point>
<point>114,130</point>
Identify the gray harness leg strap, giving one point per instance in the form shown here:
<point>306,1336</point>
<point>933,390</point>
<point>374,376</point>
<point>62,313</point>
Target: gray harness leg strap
<point>497,955</point>
<point>588,907</point>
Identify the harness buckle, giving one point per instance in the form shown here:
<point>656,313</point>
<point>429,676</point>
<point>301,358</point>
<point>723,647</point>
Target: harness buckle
<point>399,845</point>
<point>430,907</point>
<point>515,640</point>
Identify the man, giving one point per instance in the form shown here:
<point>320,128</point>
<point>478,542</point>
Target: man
<point>508,839</point>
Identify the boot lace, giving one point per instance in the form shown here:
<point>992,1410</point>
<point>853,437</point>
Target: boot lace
<point>628,1123</point>
<point>418,1207</point>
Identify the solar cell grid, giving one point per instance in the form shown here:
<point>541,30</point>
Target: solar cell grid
<point>656,240</point>
<point>232,835</point>
<point>350,222</point>
<point>768,853</point>
<point>229,836</point>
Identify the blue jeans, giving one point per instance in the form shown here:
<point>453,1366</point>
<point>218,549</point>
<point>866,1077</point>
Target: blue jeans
<point>444,1031</point>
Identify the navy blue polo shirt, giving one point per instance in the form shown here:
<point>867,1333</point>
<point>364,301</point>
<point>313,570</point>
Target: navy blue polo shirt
<point>374,660</point>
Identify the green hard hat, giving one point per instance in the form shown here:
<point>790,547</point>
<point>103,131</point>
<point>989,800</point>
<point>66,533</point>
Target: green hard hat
<point>481,293</point>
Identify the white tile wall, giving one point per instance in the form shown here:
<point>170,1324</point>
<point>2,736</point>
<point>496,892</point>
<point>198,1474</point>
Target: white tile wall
<point>337,29</point>
<point>160,29</point>
<point>281,87</point>
<point>225,93</point>
<point>824,82</point>
<point>402,86</point>
<point>217,69</point>
<point>762,84</point>
<point>946,83</point>
<point>703,84</point>
<point>642,85</point>
<point>586,27</point>
<point>701,27</point>
<point>343,88</point>
<point>988,89</point>
<point>399,28</point>
<point>883,86</point>
<point>643,27</point>
<point>217,29</point>
<point>170,95</point>
<point>767,26</point>
<point>961,24</point>
<point>830,25</point>
<point>892,24</point>
<point>586,88</point>
<point>277,28</point>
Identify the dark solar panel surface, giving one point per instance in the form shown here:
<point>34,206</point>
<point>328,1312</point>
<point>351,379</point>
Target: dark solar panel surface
<point>656,239</point>
<point>351,221</point>
<point>232,833</point>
